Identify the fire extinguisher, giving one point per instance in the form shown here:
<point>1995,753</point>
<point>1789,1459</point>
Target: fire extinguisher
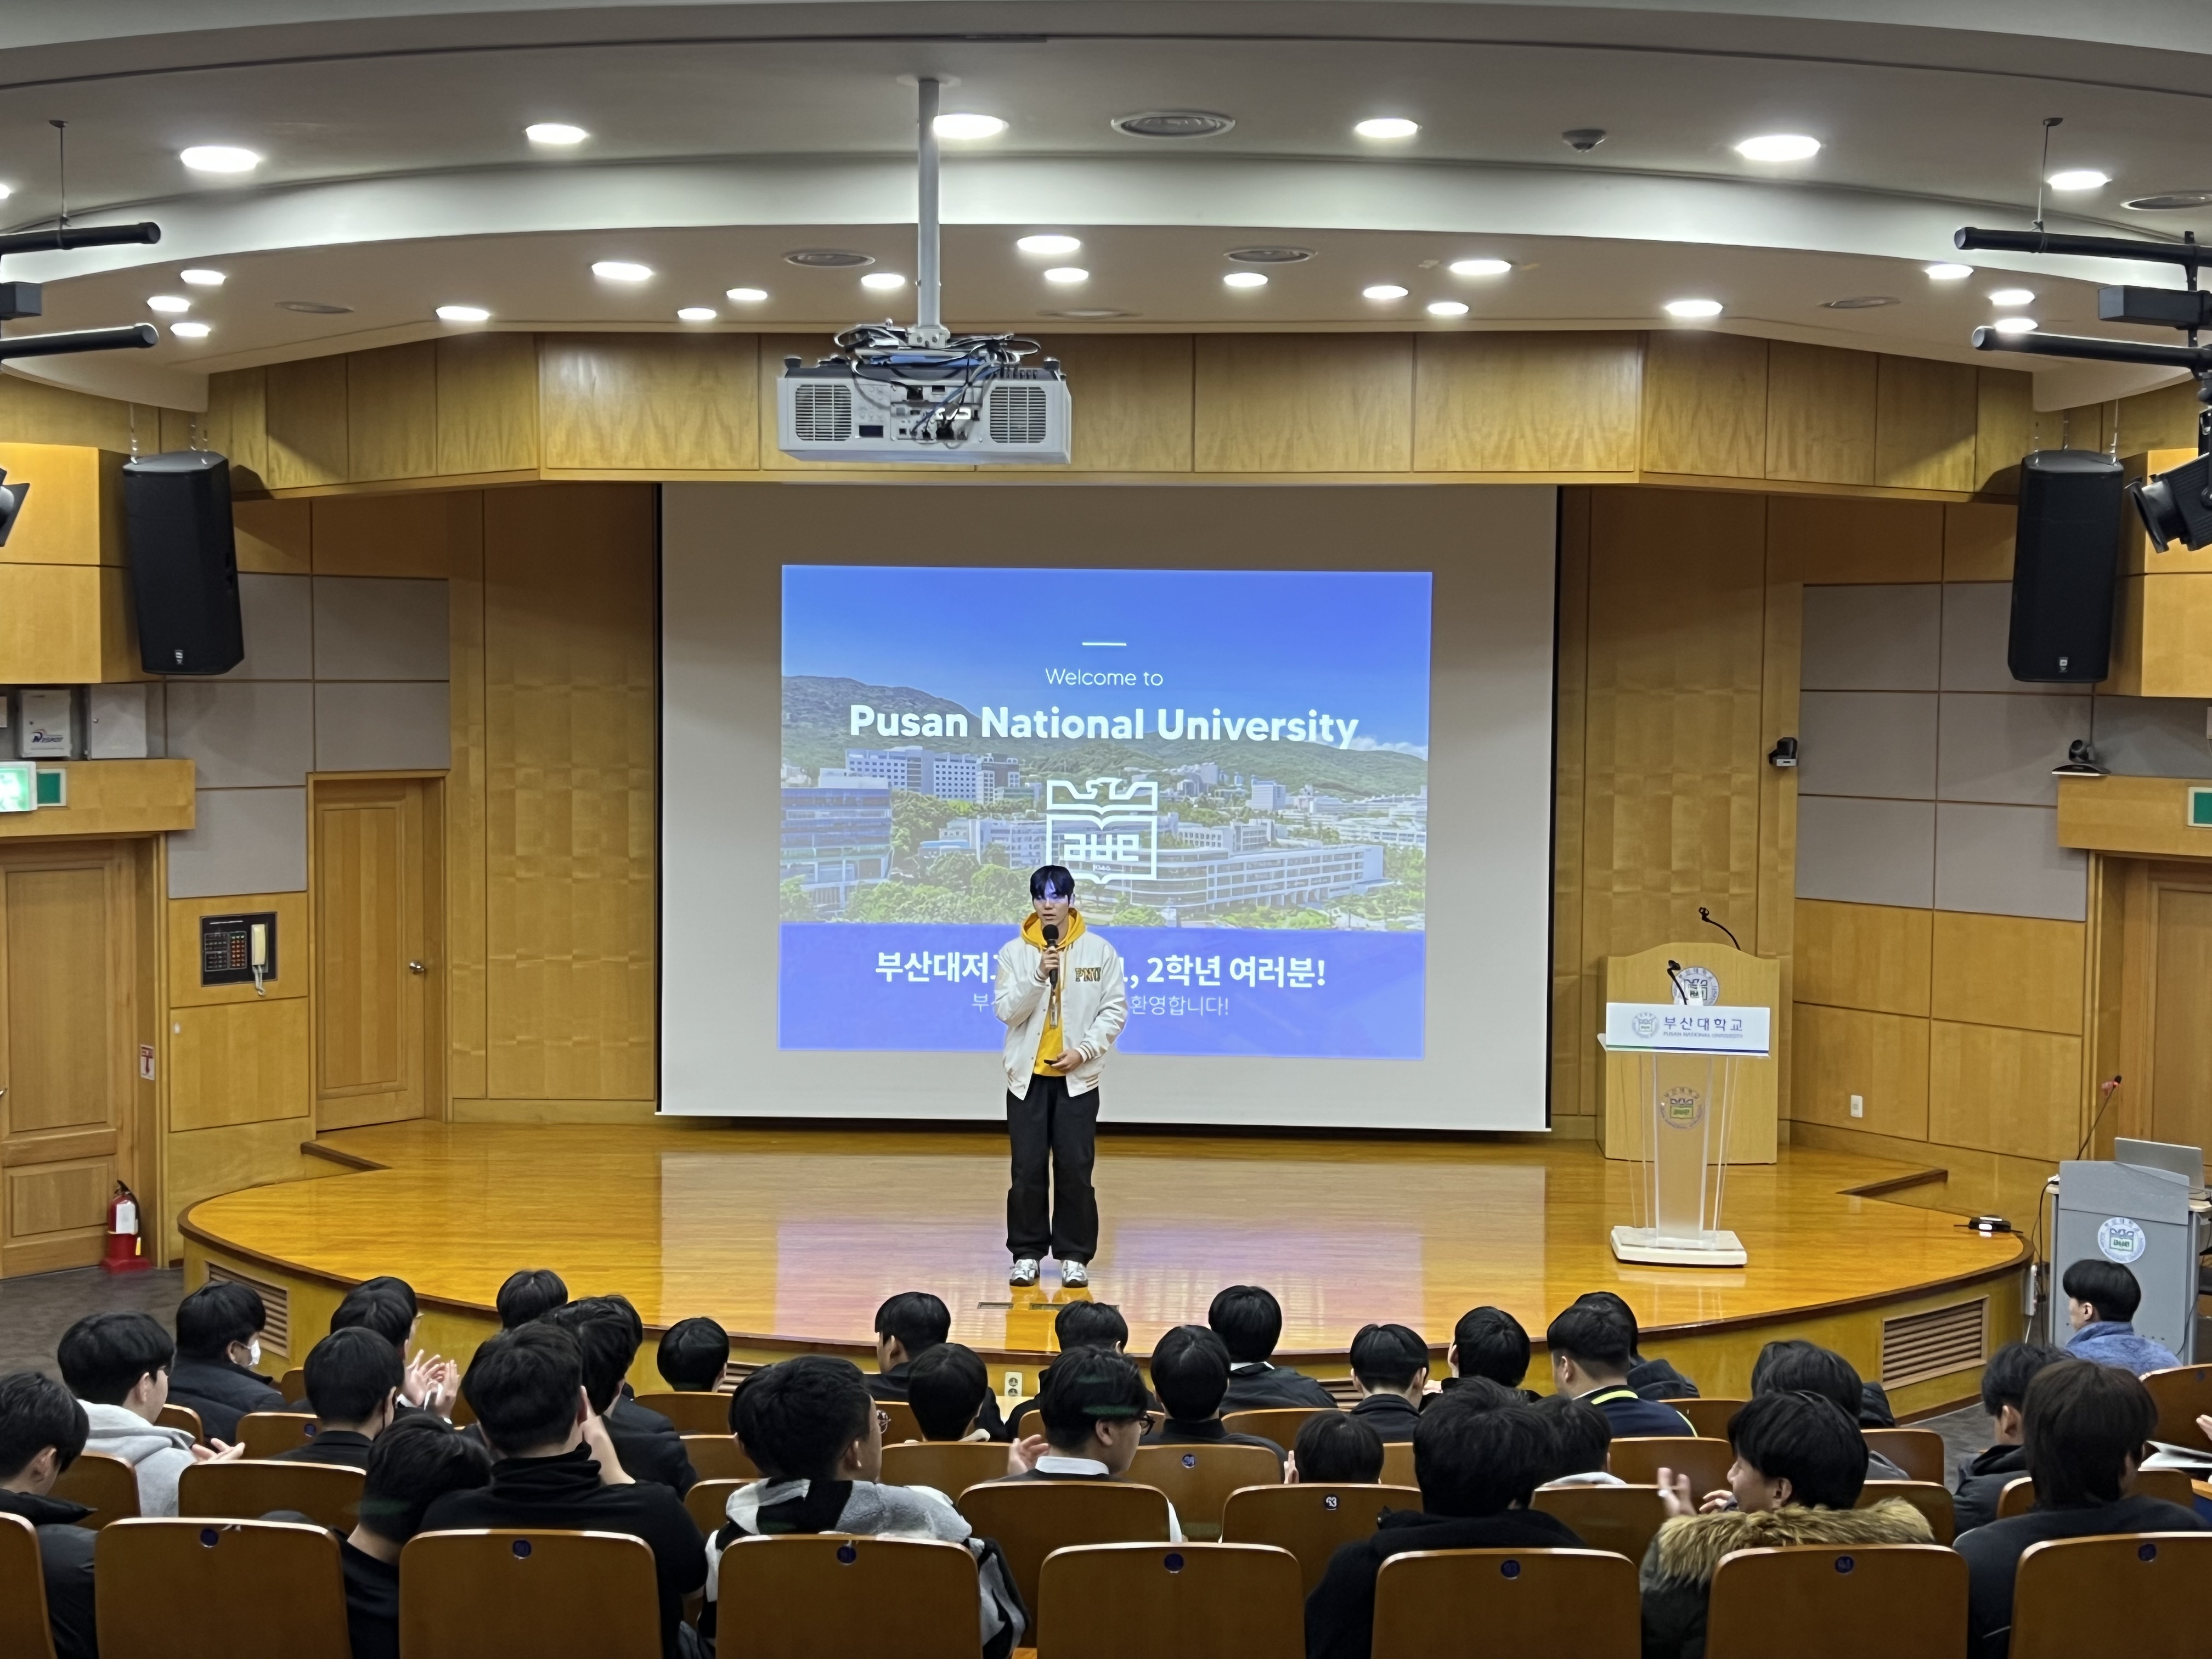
<point>126,1251</point>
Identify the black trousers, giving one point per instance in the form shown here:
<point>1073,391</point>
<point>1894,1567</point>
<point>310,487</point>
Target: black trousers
<point>1050,1127</point>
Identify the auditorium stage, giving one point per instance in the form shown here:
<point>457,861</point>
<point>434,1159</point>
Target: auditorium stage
<point>792,1237</point>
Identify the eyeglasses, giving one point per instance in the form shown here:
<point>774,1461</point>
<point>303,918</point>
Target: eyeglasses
<point>883,1422</point>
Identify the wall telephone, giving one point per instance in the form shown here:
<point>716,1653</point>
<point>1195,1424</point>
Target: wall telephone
<point>239,950</point>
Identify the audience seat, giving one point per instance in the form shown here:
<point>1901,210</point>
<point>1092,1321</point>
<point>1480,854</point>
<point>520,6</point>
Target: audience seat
<point>1931,1498</point>
<point>2182,1394</point>
<point>107,1485</point>
<point>1622,1519</point>
<point>1031,1519</point>
<point>1638,1459</point>
<point>1171,1601</point>
<point>2073,1596</point>
<point>218,1589</point>
<point>903,1425</point>
<point>329,1494</point>
<point>269,1434</point>
<point>1312,1521</point>
<point>719,1457</point>
<point>1709,1418</point>
<point>1279,1423</point>
<point>950,1466</point>
<point>1398,1463</point>
<point>24,1631</point>
<point>1198,1479</point>
<point>692,1413</point>
<point>463,1594</point>
<point>181,1417</point>
<point>708,1503</point>
<point>2175,1486</point>
<point>293,1385</point>
<point>1582,1602</point>
<point>1839,1601</point>
<point>1918,1452</point>
<point>795,1598</point>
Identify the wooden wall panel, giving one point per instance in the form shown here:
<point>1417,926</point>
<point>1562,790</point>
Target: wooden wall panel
<point>242,1062</point>
<point>2008,970</point>
<point>1133,400</point>
<point>422,534</point>
<point>39,412</point>
<point>1925,424</point>
<point>2004,1090</point>
<point>274,538</point>
<point>1977,541</point>
<point>307,417</point>
<point>50,624</point>
<point>2163,419</point>
<point>649,402</point>
<point>1704,403</point>
<point>1525,402</point>
<point>1820,414</point>
<point>1837,1053</point>
<point>1575,1069</point>
<point>1304,403</point>
<point>391,412</point>
<point>1874,956</point>
<point>79,497</point>
<point>487,404</point>
<point>2005,428</point>
<point>466,805</point>
<point>237,424</point>
<point>1838,539</point>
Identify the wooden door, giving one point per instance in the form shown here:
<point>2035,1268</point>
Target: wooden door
<point>373,885</point>
<point>2181,1018</point>
<point>67,1060</point>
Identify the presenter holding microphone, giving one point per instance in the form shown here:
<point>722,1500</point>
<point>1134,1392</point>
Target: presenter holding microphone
<point>1059,994</point>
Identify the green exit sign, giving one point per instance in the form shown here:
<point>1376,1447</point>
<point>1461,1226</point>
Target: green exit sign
<point>2200,809</point>
<point>19,787</point>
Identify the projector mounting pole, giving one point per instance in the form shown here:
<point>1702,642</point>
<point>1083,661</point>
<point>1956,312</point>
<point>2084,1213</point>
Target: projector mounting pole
<point>928,323</point>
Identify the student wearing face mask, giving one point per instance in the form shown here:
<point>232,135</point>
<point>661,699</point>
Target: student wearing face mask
<point>218,1345</point>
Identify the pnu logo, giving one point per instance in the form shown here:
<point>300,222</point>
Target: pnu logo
<point>1106,828</point>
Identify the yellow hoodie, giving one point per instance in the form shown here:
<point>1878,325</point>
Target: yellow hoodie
<point>1053,1040</point>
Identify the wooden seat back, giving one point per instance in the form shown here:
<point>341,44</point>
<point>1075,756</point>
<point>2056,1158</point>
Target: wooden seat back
<point>272,1434</point>
<point>903,1425</point>
<point>798,1597</point>
<point>23,1628</point>
<point>293,1385</point>
<point>950,1465</point>
<point>1638,1460</point>
<point>329,1494</point>
<point>692,1413</point>
<point>2182,1393</point>
<point>1918,1452</point>
<point>1709,1418</point>
<point>1198,1479</point>
<point>1932,1498</point>
<point>707,1503</point>
<point>719,1457</point>
<point>1279,1423</point>
<point>1031,1519</point>
<point>107,1485</point>
<point>463,1594</point>
<point>2173,1486</point>
<point>1172,1601</point>
<point>1310,1520</point>
<point>1584,1602</point>
<point>1398,1464</point>
<point>2065,1588</point>
<point>181,1417</point>
<point>218,1589</point>
<point>1839,1601</point>
<point>1622,1519</point>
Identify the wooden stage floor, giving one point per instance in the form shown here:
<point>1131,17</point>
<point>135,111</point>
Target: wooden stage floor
<point>792,1237</point>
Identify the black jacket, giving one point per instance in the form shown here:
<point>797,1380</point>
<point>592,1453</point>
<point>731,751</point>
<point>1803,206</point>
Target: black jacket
<point>1340,1611</point>
<point>1389,1415</point>
<point>1655,1379</point>
<point>220,1393</point>
<point>648,1444</point>
<point>1205,1431</point>
<point>1257,1386</point>
<point>564,1493</point>
<point>893,1385</point>
<point>371,1590</point>
<point>343,1447</point>
<point>1993,1555</point>
<point>1632,1416</point>
<point>65,1557</point>
<point>1983,1481</point>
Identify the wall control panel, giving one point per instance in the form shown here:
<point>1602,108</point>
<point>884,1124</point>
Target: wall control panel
<point>238,950</point>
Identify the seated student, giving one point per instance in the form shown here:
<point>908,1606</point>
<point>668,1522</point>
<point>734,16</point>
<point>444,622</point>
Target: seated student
<point>42,1431</point>
<point>556,1467</point>
<point>529,1294</point>
<point>1390,1363</point>
<point>218,1344</point>
<point>1798,1366</point>
<point>1334,1449</point>
<point>1190,1373</point>
<point>1582,1438</point>
<point>946,1388</point>
<point>118,1366</point>
<point>411,1468</point>
<point>353,1387</point>
<point>1800,1466</point>
<point>430,1383</point>
<point>812,1428</point>
<point>910,1324</point>
<point>1478,1468</point>
<point>1490,1342</point>
<point>692,1355</point>
<point>2085,1427</point>
<point>608,1333</point>
<point>1592,1354</point>
<point>1652,1379</point>
<point>1092,1405</point>
<point>2101,1299</point>
<point>1079,1325</point>
<point>1982,1481</point>
<point>1249,1322</point>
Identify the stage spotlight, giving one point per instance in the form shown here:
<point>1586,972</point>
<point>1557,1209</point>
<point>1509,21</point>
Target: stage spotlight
<point>11,504</point>
<point>2176,505</point>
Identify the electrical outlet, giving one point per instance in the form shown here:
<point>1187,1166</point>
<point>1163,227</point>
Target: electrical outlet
<point>1013,1385</point>
<point>1859,1105</point>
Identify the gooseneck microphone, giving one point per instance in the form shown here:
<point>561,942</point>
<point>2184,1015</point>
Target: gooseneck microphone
<point>1052,938</point>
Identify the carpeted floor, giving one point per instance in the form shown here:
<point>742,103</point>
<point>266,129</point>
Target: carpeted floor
<point>36,1310</point>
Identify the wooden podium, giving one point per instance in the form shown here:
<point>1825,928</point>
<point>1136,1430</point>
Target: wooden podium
<point>1743,980</point>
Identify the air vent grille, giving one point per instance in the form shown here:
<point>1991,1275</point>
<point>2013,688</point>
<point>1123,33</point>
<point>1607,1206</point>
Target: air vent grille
<point>1917,1346</point>
<point>823,411</point>
<point>1017,414</point>
<point>277,1332</point>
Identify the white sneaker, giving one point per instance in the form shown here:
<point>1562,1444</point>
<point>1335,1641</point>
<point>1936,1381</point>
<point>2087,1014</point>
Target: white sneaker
<point>1074,1275</point>
<point>1024,1272</point>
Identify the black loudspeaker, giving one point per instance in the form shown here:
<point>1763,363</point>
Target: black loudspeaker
<point>184,562</point>
<point>2066,562</point>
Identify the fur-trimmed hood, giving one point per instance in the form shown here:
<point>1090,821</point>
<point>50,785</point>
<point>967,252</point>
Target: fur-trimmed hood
<point>1689,1547</point>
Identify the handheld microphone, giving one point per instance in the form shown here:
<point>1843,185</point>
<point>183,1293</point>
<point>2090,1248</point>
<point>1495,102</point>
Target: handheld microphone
<point>1051,938</point>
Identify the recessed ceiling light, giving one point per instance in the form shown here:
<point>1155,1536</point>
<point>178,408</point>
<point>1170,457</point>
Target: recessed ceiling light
<point>1173,124</point>
<point>199,278</point>
<point>1067,274</point>
<point>1779,147</point>
<point>1386,126</point>
<point>190,331</point>
<point>1271,256</point>
<point>883,279</point>
<point>620,270</point>
<point>1245,279</point>
<point>463,314</point>
<point>968,125</point>
<point>2172,200</point>
<point>2012,296</point>
<point>1447,307</point>
<point>314,307</point>
<point>695,314</point>
<point>1948,272</point>
<point>554,132</point>
<point>1383,291</point>
<point>6,190</point>
<point>1090,314</point>
<point>1049,244</point>
<point>219,158</point>
<point>826,259</point>
<point>1861,302</point>
<point>745,297</point>
<point>1692,308</point>
<point>1479,267</point>
<point>2014,324</point>
<point>2080,178</point>
<point>168,302</point>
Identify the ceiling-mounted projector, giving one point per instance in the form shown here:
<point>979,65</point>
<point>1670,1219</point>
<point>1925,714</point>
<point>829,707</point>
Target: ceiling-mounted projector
<point>923,393</point>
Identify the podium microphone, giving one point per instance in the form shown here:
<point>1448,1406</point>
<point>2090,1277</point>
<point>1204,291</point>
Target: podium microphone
<point>1051,938</point>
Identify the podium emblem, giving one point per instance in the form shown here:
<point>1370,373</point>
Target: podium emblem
<point>1682,1108</point>
<point>2122,1240</point>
